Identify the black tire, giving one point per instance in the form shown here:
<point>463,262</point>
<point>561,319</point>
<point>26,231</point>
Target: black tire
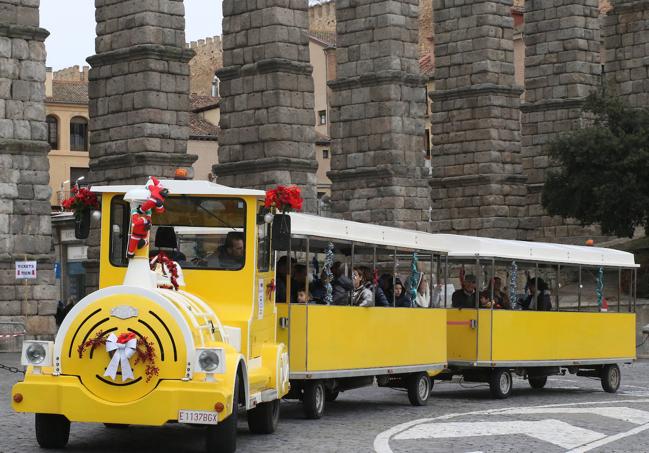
<point>263,419</point>
<point>115,426</point>
<point>331,395</point>
<point>222,438</point>
<point>500,383</point>
<point>418,385</point>
<point>52,430</point>
<point>611,378</point>
<point>538,382</point>
<point>313,399</point>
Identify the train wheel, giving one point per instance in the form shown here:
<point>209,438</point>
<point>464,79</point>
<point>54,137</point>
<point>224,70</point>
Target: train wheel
<point>331,395</point>
<point>611,378</point>
<point>313,399</point>
<point>52,430</point>
<point>538,382</point>
<point>222,438</point>
<point>500,383</point>
<point>418,385</point>
<point>263,419</point>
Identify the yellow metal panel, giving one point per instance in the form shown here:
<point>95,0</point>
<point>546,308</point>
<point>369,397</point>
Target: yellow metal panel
<point>282,332</point>
<point>528,335</point>
<point>342,338</point>
<point>484,334</point>
<point>297,337</point>
<point>462,338</point>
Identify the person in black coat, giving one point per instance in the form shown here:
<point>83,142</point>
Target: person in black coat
<point>401,299</point>
<point>538,287</point>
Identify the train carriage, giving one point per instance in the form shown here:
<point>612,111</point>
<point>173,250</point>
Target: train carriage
<point>572,311</point>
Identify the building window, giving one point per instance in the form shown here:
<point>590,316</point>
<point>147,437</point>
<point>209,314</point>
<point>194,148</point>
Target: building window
<point>325,154</point>
<point>78,134</point>
<point>322,116</point>
<point>215,86</point>
<point>53,131</point>
<point>427,143</point>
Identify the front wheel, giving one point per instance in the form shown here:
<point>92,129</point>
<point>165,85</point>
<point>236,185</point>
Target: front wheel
<point>263,419</point>
<point>313,399</point>
<point>418,385</point>
<point>222,438</point>
<point>537,382</point>
<point>52,430</point>
<point>611,378</point>
<point>500,383</point>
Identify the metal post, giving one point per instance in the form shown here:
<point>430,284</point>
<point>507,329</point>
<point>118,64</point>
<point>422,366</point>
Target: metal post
<point>445,281</point>
<point>535,297</point>
<point>477,293</point>
<point>351,275</point>
<point>635,288</point>
<point>619,287</point>
<point>579,291</point>
<point>308,270</point>
<point>430,282</point>
<point>394,279</point>
<point>558,284</point>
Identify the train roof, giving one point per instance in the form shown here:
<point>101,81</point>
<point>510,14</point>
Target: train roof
<point>186,187</point>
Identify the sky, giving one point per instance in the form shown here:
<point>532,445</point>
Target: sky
<point>71,24</point>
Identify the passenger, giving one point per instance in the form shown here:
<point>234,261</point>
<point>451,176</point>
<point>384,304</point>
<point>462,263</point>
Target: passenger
<point>500,297</point>
<point>422,299</point>
<point>341,285</point>
<point>401,299</point>
<point>298,280</point>
<point>485,300</point>
<point>301,296</point>
<point>543,301</point>
<point>317,289</point>
<point>438,296</point>
<point>230,255</point>
<point>363,295</point>
<point>280,285</point>
<point>383,294</point>
<point>465,296</point>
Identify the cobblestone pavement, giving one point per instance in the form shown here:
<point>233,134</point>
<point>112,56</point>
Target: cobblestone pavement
<point>570,411</point>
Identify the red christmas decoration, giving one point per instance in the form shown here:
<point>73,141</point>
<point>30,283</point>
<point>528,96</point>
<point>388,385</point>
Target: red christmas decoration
<point>166,263</point>
<point>270,289</point>
<point>284,198</point>
<point>140,226</point>
<point>82,200</point>
<point>158,194</point>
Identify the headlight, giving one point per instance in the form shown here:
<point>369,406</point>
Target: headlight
<point>37,353</point>
<point>210,361</point>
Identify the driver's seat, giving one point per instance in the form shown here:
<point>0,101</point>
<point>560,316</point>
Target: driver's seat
<point>166,241</point>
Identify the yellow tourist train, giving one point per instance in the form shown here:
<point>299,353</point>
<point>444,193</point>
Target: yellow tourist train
<point>202,323</point>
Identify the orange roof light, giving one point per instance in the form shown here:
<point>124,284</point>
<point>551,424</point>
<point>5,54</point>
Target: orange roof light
<point>590,242</point>
<point>181,173</point>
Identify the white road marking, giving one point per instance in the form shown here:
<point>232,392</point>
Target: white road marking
<point>382,440</point>
<point>551,431</point>
<point>627,414</point>
<point>609,439</point>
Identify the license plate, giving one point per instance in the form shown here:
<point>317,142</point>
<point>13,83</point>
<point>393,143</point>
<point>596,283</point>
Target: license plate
<point>198,417</point>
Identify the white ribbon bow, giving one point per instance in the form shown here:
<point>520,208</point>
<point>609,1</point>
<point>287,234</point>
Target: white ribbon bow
<point>123,352</point>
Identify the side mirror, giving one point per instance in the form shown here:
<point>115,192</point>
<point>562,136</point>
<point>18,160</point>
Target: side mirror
<point>281,232</point>
<point>82,225</point>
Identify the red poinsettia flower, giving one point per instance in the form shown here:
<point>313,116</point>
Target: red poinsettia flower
<point>82,199</point>
<point>284,198</point>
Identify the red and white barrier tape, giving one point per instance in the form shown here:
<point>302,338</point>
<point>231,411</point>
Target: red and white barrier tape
<point>11,335</point>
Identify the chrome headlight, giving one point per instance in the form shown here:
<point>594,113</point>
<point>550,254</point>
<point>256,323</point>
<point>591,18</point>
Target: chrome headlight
<point>37,353</point>
<point>210,361</point>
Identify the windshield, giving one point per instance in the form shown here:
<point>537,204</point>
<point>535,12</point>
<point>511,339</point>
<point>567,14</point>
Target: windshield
<point>197,232</point>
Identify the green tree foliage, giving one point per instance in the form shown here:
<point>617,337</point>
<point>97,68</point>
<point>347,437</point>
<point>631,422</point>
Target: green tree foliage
<point>603,175</point>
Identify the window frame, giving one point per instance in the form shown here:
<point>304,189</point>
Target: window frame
<point>73,145</point>
<point>56,123</point>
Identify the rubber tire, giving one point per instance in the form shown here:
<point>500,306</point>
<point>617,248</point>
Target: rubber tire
<point>263,419</point>
<point>611,378</point>
<point>52,430</point>
<point>115,426</point>
<point>537,382</point>
<point>331,395</point>
<point>222,438</point>
<point>419,387</point>
<point>313,400</point>
<point>495,384</point>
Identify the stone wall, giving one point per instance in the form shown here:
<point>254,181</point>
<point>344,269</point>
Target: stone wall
<point>25,226</point>
<point>73,73</point>
<point>626,35</point>
<point>378,106</point>
<point>562,67</point>
<point>208,58</point>
<point>267,121</point>
<point>478,183</point>
<point>322,17</point>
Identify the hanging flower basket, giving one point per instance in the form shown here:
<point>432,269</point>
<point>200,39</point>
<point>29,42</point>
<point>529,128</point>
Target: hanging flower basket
<point>81,203</point>
<point>284,199</point>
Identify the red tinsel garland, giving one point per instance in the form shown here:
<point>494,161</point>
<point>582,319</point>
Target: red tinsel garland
<point>165,261</point>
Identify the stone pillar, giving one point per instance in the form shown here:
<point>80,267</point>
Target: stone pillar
<point>139,97</point>
<point>378,106</point>
<point>139,91</point>
<point>478,185</point>
<point>626,37</point>
<point>562,66</point>
<point>267,118</point>
<point>25,225</point>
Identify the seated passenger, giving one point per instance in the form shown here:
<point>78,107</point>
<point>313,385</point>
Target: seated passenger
<point>422,300</point>
<point>383,292</point>
<point>485,300</point>
<point>500,297</point>
<point>301,296</point>
<point>401,299</point>
<point>230,255</point>
<point>341,285</point>
<point>281,270</point>
<point>363,295</point>
<point>298,280</point>
<point>542,302</point>
<point>465,296</point>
